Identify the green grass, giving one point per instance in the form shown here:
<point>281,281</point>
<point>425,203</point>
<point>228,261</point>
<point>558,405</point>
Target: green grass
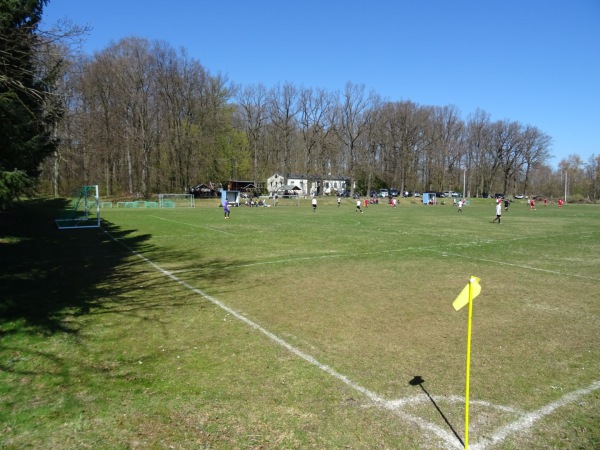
<point>110,338</point>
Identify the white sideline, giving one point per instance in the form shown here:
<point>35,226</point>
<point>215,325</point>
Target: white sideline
<point>449,439</point>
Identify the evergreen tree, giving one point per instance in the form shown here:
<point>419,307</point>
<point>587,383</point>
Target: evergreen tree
<point>25,90</point>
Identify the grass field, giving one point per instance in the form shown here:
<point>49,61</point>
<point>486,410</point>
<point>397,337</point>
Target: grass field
<point>284,328</point>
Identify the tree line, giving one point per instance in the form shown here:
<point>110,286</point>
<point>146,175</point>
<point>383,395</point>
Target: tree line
<point>140,117</point>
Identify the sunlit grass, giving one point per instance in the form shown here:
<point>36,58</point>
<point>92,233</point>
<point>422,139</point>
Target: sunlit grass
<point>127,357</point>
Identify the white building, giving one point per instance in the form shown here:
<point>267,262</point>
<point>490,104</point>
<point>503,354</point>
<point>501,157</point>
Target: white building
<point>333,184</point>
<point>308,185</point>
<point>274,182</point>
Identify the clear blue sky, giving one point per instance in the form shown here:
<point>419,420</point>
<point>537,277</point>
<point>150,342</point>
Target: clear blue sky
<point>532,61</point>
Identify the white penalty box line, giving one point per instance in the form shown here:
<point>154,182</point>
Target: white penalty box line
<point>449,439</point>
<point>434,249</point>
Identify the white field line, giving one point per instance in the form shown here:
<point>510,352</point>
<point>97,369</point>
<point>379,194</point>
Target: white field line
<point>435,249</point>
<point>190,224</point>
<point>529,419</point>
<point>423,398</point>
<point>448,439</point>
<point>521,266</point>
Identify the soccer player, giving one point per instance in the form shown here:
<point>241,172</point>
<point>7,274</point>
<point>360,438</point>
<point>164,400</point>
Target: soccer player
<point>498,213</point>
<point>226,208</point>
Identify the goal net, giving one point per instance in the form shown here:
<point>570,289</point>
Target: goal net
<point>285,200</point>
<point>176,201</point>
<point>84,211</point>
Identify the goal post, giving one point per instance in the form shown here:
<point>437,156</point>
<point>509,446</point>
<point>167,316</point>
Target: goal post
<point>176,201</point>
<point>84,211</point>
<point>286,200</point>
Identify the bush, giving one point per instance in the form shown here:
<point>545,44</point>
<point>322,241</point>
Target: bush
<point>13,185</point>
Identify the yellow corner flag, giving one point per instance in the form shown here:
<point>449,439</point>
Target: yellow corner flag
<point>470,291</point>
<point>463,297</point>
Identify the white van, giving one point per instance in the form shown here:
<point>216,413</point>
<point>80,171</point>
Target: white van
<point>383,192</point>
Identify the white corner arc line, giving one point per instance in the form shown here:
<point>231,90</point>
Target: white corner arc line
<point>529,419</point>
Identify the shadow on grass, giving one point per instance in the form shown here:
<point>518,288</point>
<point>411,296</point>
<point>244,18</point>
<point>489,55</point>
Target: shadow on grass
<point>48,273</point>
<point>418,381</point>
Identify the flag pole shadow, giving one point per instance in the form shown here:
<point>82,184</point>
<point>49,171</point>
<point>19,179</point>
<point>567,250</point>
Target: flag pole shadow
<point>417,380</point>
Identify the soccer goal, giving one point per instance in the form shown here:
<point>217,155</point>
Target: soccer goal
<point>176,201</point>
<point>84,211</point>
<point>286,200</point>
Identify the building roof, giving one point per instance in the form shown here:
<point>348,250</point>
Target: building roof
<point>288,187</point>
<point>303,176</point>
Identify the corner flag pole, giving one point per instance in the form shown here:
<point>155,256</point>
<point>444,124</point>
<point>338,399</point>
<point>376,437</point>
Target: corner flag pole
<point>468,375</point>
<point>467,295</point>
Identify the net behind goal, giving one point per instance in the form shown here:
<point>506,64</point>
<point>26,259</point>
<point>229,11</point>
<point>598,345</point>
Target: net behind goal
<point>286,200</point>
<point>84,210</point>
<point>176,201</point>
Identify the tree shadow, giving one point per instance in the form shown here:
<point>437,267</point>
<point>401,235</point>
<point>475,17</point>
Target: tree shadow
<point>417,380</point>
<point>47,273</point>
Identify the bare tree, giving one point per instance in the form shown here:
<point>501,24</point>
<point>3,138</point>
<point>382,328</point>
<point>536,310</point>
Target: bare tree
<point>480,159</point>
<point>316,108</point>
<point>252,114</point>
<point>283,110</point>
<point>143,117</point>
<point>592,171</point>
<point>352,119</point>
<point>446,147</point>
<point>508,144</point>
<point>534,152</point>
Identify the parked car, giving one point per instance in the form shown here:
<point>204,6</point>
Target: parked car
<point>394,192</point>
<point>497,195</point>
<point>519,196</point>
